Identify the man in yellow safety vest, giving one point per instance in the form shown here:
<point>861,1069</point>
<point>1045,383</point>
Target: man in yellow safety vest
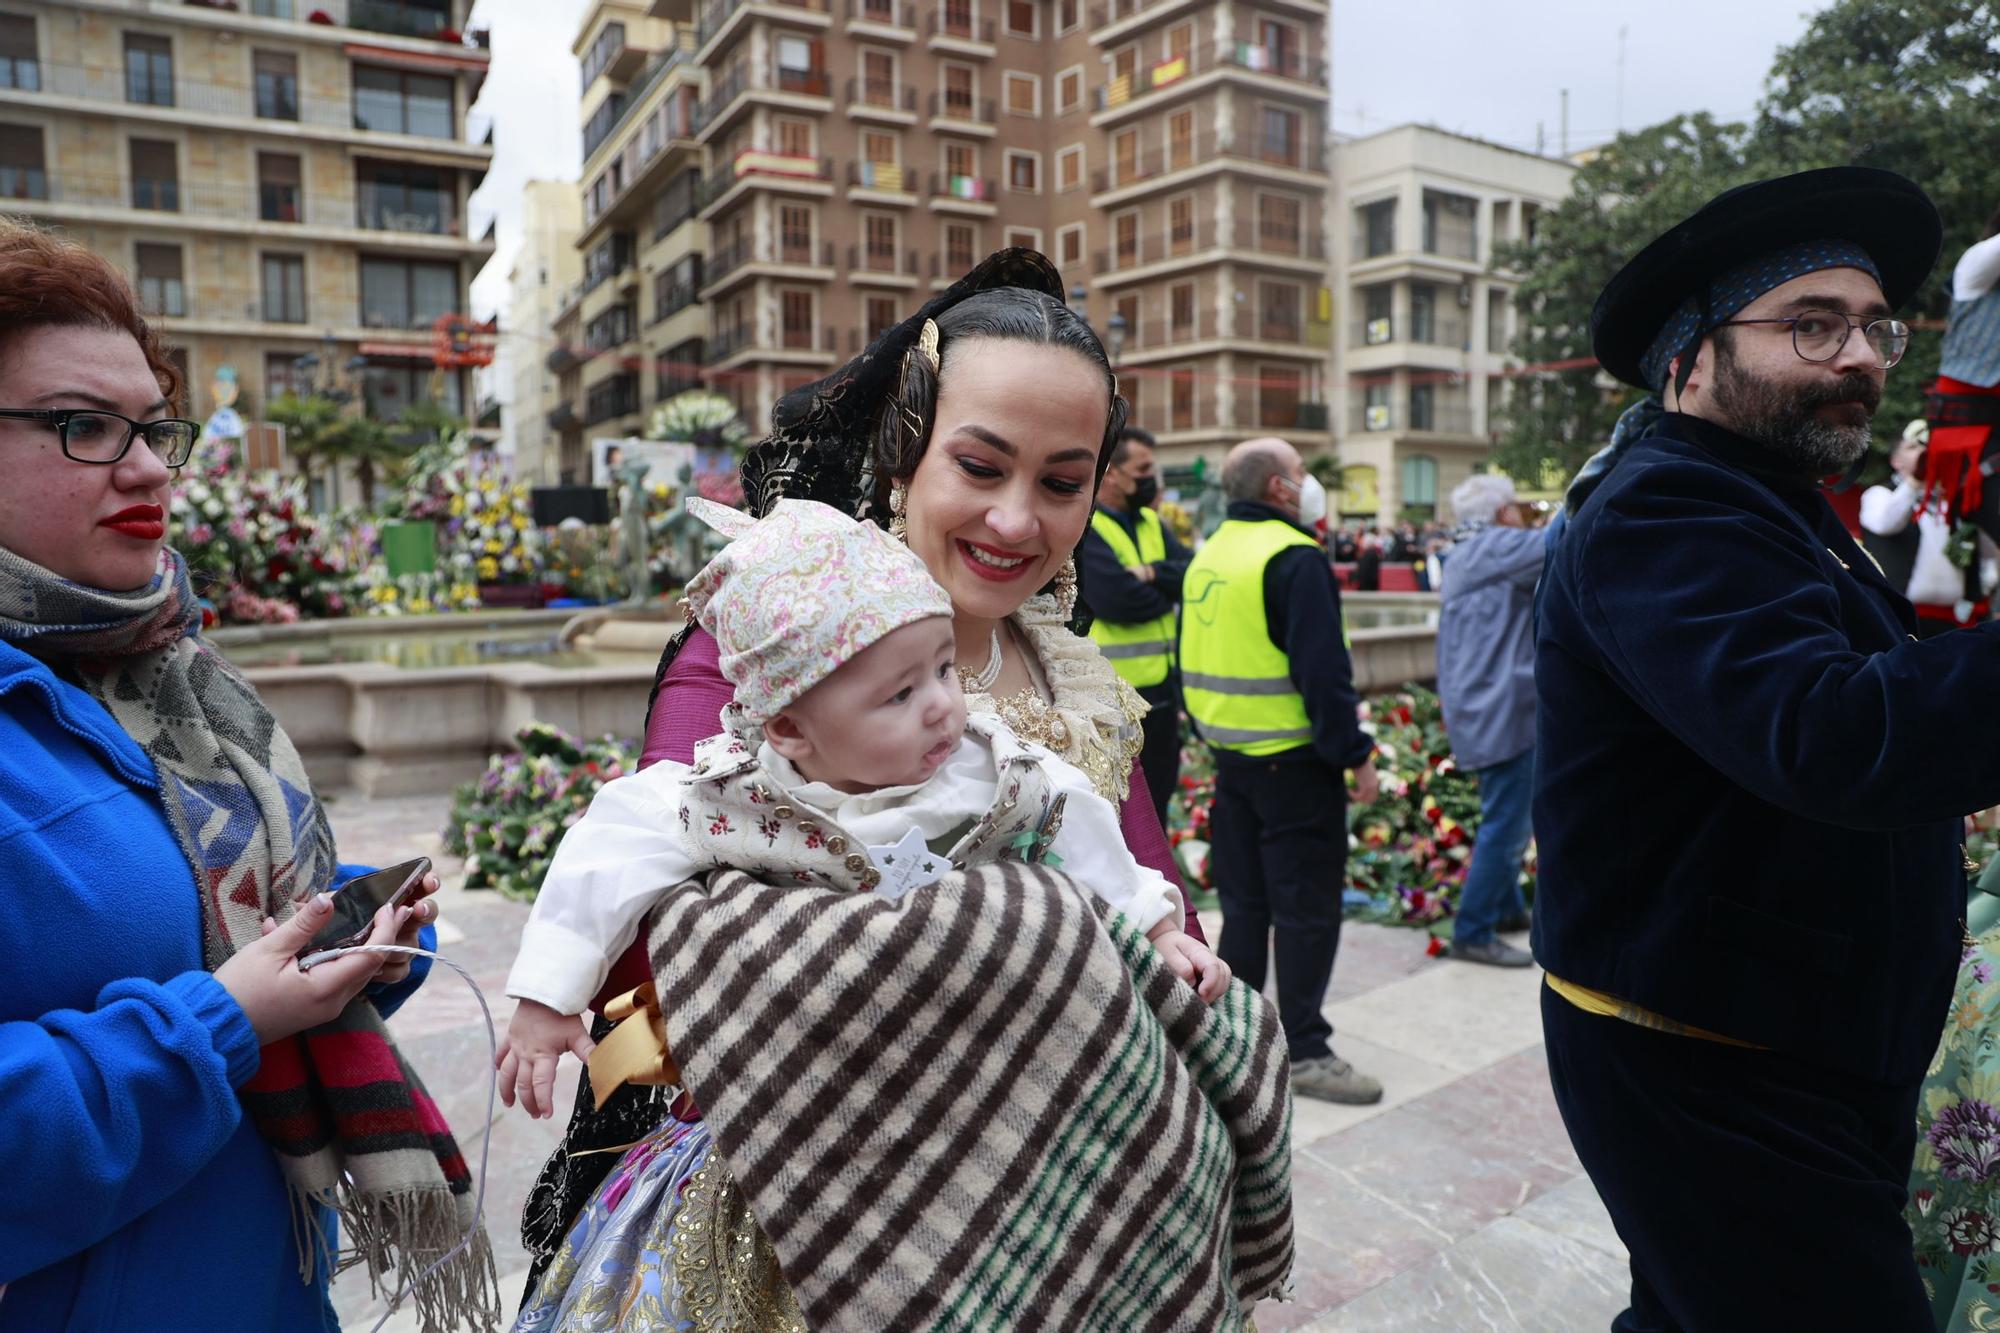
<point>1269,687</point>
<point>1130,569</point>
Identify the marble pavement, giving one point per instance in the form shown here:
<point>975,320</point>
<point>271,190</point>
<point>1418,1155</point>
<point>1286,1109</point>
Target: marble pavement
<point>1455,1204</point>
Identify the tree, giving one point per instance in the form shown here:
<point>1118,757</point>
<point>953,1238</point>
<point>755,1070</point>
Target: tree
<point>367,445</point>
<point>1910,85</point>
<point>307,419</point>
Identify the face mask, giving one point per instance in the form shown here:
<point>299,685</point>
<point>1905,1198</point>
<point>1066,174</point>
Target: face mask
<point>1312,501</point>
<point>1144,491</point>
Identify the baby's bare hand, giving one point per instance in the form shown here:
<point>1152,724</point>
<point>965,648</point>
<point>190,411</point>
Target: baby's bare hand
<point>1193,962</point>
<point>530,1051</point>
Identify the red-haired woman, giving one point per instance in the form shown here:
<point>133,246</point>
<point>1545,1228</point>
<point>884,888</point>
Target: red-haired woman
<point>183,1104</point>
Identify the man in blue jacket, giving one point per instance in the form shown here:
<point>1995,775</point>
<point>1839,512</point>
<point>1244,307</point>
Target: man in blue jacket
<point>1486,682</point>
<point>1751,777</point>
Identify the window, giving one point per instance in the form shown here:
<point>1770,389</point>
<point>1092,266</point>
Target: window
<point>149,70</point>
<point>1124,64</point>
<point>1125,157</point>
<point>882,314</point>
<point>161,290</point>
<point>1378,323</point>
<point>1024,94</point>
<point>1496,320</point>
<point>795,233</point>
<point>1125,239</point>
<point>958,17</point>
<point>1451,225</point>
<point>1069,168</point>
<point>1180,309</point>
<point>1180,400</point>
<point>1179,42</point>
<point>1023,18</point>
<point>398,196</point>
<point>278,187</point>
<point>22,173</point>
<point>1423,312</point>
<point>1180,224</point>
<point>272,9</point>
<point>283,375</point>
<point>1378,228</point>
<point>1279,390</point>
<point>1069,244</point>
<point>1423,407</point>
<point>1278,311</point>
<point>20,66</point>
<point>795,137</point>
<point>1127,309</point>
<point>394,101</point>
<point>284,289</point>
<point>1069,90</point>
<point>878,78</point>
<point>961,246</point>
<point>878,254</point>
<point>1279,138</point>
<point>1028,238</point>
<point>801,68</point>
<point>1180,141</point>
<point>959,90</point>
<point>877,146</point>
<point>1278,48</point>
<point>1278,223</point>
<point>156,173</point>
<point>1069,15</point>
<point>1420,482</point>
<point>1024,170</point>
<point>276,75</point>
<point>1375,405</point>
<point>388,390</point>
<point>402,294</point>
<point>960,159</point>
<point>797,325</point>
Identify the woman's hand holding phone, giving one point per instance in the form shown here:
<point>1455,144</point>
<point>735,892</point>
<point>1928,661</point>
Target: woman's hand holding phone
<point>279,997</point>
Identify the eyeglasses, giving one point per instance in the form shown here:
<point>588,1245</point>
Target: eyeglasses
<point>90,436</point>
<point>1818,335</point>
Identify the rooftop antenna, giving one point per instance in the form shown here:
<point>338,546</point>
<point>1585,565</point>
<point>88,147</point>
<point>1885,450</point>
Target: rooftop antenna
<point>1565,123</point>
<point>1620,119</point>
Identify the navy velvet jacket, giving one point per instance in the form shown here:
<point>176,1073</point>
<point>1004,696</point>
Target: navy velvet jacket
<point>1750,775</point>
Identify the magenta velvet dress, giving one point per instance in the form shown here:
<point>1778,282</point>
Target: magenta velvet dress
<point>689,709</point>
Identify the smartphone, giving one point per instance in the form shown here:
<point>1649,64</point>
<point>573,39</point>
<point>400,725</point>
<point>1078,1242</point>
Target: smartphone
<point>357,901</point>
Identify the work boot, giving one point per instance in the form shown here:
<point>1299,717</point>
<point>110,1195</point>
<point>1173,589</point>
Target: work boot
<point>1331,1079</point>
<point>1494,953</point>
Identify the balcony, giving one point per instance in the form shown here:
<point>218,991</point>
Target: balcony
<point>963,194</point>
<point>1161,166</point>
<point>1120,20</point>
<point>1189,414</point>
<point>1272,328</point>
<point>884,182</point>
<point>615,397</point>
<point>401,18</point>
<point>726,343</point>
<point>1450,418</point>
<point>882,100</point>
<point>882,20</point>
<point>723,18</point>
<point>753,170</point>
<point>566,357</point>
<point>963,114</point>
<point>881,265</point>
<point>1278,70</point>
<point>276,102</point>
<point>563,417</point>
<point>952,29</point>
<point>1201,243</point>
<point>611,56</point>
<point>734,94</point>
<point>729,264</point>
<point>379,208</point>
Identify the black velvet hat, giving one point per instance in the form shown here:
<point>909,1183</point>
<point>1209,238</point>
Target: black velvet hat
<point>1888,216</point>
<point>822,433</point>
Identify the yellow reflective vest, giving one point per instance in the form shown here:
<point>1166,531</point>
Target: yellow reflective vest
<point>1237,684</point>
<point>1141,652</point>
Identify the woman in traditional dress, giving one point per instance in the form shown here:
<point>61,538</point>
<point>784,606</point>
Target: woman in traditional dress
<point>987,466</point>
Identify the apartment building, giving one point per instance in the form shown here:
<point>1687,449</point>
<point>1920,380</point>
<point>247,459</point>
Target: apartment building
<point>842,159</point>
<point>546,271</point>
<point>285,180</point>
<point>1422,362</point>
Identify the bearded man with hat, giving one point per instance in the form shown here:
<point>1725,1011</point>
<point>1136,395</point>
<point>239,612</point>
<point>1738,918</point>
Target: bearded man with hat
<point>1751,776</point>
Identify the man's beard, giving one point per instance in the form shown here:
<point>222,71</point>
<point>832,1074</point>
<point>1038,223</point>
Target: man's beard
<point>1784,418</point>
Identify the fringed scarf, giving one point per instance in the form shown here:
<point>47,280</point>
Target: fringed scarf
<point>350,1121</point>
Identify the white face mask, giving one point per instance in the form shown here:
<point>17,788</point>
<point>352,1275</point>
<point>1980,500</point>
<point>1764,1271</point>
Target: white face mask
<point>1312,501</point>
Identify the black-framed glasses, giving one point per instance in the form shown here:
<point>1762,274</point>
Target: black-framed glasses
<point>1818,335</point>
<point>91,436</point>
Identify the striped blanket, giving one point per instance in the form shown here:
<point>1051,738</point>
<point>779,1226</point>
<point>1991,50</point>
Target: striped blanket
<point>988,1105</point>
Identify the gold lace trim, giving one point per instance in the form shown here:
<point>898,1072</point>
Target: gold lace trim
<point>727,1271</point>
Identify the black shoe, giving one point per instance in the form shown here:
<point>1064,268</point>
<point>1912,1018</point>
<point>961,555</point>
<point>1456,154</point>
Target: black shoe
<point>1511,925</point>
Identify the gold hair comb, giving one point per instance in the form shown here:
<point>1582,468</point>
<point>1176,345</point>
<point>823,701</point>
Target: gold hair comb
<point>927,343</point>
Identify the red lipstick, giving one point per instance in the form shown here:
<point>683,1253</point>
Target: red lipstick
<point>146,523</point>
<point>995,564</point>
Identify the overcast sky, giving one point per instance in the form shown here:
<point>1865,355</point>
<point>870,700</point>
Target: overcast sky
<point>1477,66</point>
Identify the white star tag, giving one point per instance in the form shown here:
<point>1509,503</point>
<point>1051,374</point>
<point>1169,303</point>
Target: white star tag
<point>906,865</point>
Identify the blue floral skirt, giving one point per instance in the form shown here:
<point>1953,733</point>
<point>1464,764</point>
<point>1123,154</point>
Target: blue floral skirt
<point>666,1243</point>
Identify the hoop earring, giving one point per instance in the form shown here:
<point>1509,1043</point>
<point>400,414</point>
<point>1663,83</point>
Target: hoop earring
<point>899,525</point>
<point>1065,592</point>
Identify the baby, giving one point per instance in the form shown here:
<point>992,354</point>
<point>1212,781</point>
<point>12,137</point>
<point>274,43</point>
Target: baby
<point>849,762</point>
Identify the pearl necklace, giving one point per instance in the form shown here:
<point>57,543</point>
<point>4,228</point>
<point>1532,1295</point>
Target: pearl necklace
<point>983,682</point>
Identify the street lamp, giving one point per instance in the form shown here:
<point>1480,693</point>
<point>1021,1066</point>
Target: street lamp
<point>1114,337</point>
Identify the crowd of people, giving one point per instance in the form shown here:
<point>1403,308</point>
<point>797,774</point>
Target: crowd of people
<point>884,936</point>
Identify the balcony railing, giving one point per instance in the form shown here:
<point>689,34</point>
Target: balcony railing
<point>726,343</point>
<point>1175,243</point>
<point>882,95</point>
<point>952,106</point>
<point>956,22</point>
<point>772,168</point>
<point>1163,74</point>
<point>1275,328</point>
<point>280,101</point>
<point>398,19</point>
<point>377,209</point>
<point>888,13</point>
<point>1282,64</point>
<point>726,259</point>
<point>265,201</point>
<point>866,258</point>
<point>949,265</point>
<point>885,176</point>
<point>562,417</point>
<point>971,189</point>
<point>718,12</point>
<point>1172,333</point>
<point>615,397</point>
<point>1180,155</point>
<point>1163,417</point>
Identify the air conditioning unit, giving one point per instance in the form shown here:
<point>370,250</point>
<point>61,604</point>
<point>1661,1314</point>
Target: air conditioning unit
<point>1377,417</point>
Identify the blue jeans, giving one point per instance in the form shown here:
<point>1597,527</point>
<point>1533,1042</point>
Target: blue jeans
<point>1493,882</point>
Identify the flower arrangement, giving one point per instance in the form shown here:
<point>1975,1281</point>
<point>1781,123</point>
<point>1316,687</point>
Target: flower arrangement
<point>508,823</point>
<point>1408,850</point>
<point>253,546</point>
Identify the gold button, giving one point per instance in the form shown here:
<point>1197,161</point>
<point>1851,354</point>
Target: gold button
<point>808,826</point>
<point>783,812</point>
<point>870,878</point>
<point>856,862</point>
<point>836,844</point>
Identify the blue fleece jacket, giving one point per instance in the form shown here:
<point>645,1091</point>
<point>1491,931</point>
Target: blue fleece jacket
<point>137,1194</point>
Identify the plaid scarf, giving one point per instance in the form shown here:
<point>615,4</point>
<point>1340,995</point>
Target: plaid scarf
<point>352,1125</point>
